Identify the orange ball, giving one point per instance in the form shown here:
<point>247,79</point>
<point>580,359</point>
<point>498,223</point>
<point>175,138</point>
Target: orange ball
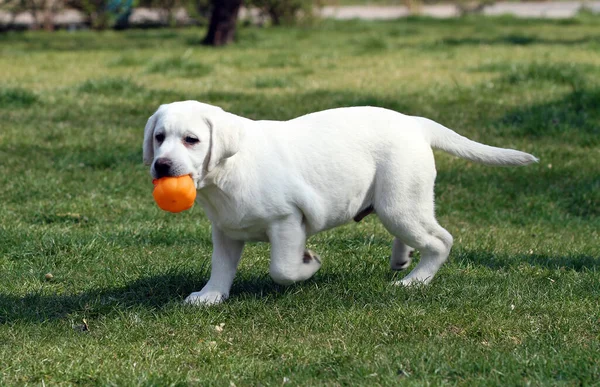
<point>174,194</point>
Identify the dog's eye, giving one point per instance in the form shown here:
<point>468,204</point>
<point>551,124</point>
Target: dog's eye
<point>160,137</point>
<point>191,140</point>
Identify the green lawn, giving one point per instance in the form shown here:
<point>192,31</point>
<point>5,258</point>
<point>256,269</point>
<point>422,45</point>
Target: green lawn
<point>517,303</point>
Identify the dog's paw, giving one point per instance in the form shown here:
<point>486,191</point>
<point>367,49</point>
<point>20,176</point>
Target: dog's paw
<point>311,262</point>
<point>397,266</point>
<point>205,297</point>
<point>403,261</point>
<point>412,282</point>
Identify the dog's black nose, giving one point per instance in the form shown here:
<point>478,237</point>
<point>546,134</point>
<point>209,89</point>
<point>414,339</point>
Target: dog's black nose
<point>162,167</point>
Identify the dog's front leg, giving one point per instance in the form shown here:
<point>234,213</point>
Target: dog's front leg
<point>290,262</point>
<point>225,258</point>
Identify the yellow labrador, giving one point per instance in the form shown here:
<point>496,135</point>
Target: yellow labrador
<point>282,181</point>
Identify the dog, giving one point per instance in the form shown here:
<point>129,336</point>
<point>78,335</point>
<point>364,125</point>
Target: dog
<point>283,181</point>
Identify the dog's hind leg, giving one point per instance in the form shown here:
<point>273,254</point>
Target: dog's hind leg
<point>407,212</point>
<point>427,236</point>
<point>290,262</point>
<point>401,255</point>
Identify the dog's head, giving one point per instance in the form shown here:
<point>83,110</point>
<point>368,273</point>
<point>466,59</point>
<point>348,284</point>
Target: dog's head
<point>189,138</point>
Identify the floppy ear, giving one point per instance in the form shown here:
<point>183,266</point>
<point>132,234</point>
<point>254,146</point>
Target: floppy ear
<point>148,146</point>
<point>225,138</point>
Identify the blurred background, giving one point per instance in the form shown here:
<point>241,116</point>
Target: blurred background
<point>94,273</point>
<point>121,14</point>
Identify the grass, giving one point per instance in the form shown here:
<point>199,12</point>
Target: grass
<point>179,66</point>
<point>517,303</point>
<point>16,97</point>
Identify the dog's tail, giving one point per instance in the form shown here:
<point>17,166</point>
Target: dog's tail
<point>448,140</point>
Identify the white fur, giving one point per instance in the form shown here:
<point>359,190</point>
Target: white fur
<point>282,181</point>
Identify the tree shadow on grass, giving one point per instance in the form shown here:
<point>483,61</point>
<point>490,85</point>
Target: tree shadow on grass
<point>575,116</point>
<point>516,40</point>
<point>535,193</point>
<point>576,262</point>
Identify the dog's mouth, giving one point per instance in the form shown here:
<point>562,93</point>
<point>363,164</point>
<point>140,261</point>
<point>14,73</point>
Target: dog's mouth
<point>197,178</point>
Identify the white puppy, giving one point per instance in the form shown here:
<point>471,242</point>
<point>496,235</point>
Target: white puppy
<point>282,181</point>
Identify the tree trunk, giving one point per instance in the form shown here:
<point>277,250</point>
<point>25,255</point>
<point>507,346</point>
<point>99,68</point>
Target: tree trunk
<point>48,20</point>
<point>222,22</point>
<point>49,9</point>
<point>32,7</point>
<point>274,14</point>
